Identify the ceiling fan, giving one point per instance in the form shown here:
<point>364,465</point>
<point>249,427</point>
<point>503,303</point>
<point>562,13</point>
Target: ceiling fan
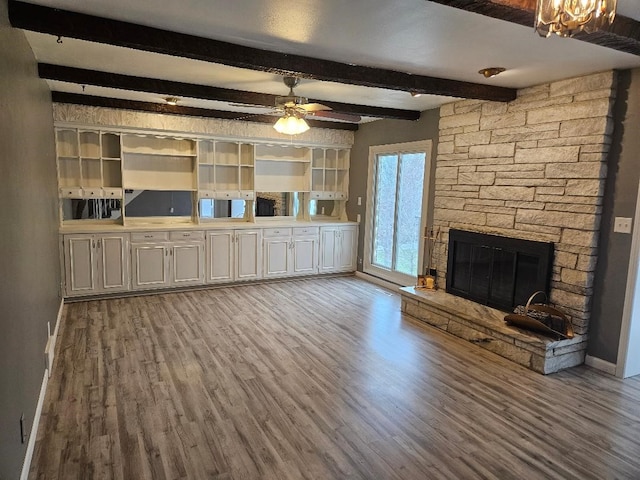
<point>293,110</point>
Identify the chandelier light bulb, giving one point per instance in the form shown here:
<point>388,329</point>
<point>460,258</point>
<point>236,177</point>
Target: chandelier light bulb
<point>568,17</point>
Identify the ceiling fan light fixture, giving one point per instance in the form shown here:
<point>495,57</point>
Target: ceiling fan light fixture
<point>291,125</point>
<point>490,72</point>
<point>172,100</point>
<point>568,17</point>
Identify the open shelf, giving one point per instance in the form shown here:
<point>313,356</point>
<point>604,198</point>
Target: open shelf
<point>162,146</point>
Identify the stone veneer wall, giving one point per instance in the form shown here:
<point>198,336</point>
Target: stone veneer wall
<point>533,168</point>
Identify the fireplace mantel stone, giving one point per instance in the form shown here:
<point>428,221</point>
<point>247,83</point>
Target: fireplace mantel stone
<point>485,327</point>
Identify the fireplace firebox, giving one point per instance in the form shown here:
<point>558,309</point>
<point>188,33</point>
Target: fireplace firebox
<point>497,271</point>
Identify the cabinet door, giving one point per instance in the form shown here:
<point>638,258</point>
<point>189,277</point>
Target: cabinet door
<point>150,263</point>
<point>305,253</point>
<point>188,263</point>
<point>113,262</point>
<point>328,249</point>
<point>79,262</point>
<point>220,256</point>
<point>277,258</point>
<point>347,251</point>
<point>248,254</point>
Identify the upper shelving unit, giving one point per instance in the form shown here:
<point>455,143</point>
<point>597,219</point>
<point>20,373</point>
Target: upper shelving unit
<point>95,163</point>
<point>330,174</point>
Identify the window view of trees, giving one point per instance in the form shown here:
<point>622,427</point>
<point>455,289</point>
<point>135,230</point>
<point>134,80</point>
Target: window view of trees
<point>399,183</point>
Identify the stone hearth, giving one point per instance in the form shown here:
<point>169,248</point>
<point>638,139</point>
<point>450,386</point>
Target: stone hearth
<point>485,327</point>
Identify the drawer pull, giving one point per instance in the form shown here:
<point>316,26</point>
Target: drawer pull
<point>186,234</point>
<point>148,236</point>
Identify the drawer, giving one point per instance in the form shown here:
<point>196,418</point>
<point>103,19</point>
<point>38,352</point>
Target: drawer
<point>232,195</point>
<point>305,231</point>
<point>247,195</point>
<point>186,235</point>
<point>341,195</point>
<point>112,192</point>
<point>71,192</point>
<point>277,232</point>
<point>206,194</point>
<point>316,195</point>
<point>150,236</point>
<point>92,192</point>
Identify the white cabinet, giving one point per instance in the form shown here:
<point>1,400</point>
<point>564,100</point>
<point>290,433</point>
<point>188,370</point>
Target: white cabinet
<point>167,259</point>
<point>233,255</point>
<point>338,246</point>
<point>290,251</point>
<point>150,265</point>
<point>96,264</point>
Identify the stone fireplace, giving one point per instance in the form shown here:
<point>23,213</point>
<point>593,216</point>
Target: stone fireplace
<point>531,169</point>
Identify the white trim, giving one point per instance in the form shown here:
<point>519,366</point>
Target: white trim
<point>378,281</point>
<point>600,364</point>
<point>408,147</point>
<point>50,348</point>
<point>622,369</point>
<point>26,465</point>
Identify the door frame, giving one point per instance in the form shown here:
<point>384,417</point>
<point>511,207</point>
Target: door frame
<point>407,147</point>
<point>628,362</point>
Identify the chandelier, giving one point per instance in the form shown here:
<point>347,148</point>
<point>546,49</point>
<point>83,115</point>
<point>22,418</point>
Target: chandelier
<point>291,123</point>
<point>568,17</point>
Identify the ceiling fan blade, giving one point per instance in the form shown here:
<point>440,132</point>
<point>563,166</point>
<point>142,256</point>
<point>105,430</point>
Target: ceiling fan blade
<point>314,107</point>
<point>336,116</point>
<point>250,105</point>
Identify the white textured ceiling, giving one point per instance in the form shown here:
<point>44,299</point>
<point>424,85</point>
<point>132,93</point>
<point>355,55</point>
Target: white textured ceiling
<point>413,36</point>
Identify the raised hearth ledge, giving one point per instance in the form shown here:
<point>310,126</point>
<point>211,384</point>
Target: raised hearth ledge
<point>485,327</point>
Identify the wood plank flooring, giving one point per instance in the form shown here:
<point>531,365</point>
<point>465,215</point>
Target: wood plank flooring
<point>313,379</point>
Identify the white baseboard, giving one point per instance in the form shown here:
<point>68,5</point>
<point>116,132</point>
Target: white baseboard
<point>49,353</point>
<point>600,364</point>
<point>50,348</point>
<point>26,465</point>
<point>378,281</point>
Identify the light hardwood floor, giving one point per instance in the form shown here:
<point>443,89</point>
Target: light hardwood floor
<point>313,379</point>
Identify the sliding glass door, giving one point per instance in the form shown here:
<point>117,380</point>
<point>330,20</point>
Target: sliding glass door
<point>397,181</point>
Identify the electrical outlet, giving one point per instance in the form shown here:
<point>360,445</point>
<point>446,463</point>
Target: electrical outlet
<point>622,225</point>
<point>358,218</point>
<point>359,200</point>
<point>359,260</point>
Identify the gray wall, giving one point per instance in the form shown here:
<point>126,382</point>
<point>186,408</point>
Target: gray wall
<point>621,191</point>
<point>29,284</point>
<point>383,132</point>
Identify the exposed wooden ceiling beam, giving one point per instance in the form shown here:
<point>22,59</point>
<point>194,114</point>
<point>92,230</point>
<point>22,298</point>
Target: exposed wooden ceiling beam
<point>623,34</point>
<point>93,101</point>
<point>101,30</point>
<point>180,89</point>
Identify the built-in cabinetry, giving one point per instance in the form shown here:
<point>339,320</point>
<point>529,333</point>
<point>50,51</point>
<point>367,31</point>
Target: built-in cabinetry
<point>96,263</point>
<point>169,169</point>
<point>339,246</point>
<point>102,263</point>
<point>89,163</point>
<point>290,251</point>
<point>234,255</point>
<point>226,170</point>
<point>167,259</point>
<point>330,174</point>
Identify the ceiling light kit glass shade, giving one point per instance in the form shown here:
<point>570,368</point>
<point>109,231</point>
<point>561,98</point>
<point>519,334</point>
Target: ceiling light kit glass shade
<point>172,100</point>
<point>290,124</point>
<point>568,17</point>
